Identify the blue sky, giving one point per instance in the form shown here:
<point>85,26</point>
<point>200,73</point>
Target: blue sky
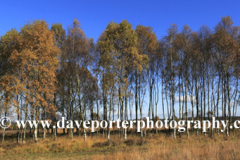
<point>94,15</point>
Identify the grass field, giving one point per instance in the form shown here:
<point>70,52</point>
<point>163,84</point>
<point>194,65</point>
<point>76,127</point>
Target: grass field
<point>158,146</point>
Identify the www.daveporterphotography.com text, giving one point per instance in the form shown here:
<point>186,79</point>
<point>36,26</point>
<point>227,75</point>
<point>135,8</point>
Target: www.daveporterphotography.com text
<point>180,125</point>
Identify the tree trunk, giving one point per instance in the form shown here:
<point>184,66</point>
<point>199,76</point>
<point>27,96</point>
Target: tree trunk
<point>186,106</point>
<point>24,132</point>
<point>3,135</point>
<point>55,133</point>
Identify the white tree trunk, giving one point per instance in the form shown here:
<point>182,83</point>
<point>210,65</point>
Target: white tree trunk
<point>35,136</point>
<point>85,135</point>
<point>71,133</point>
<point>44,133</point>
<point>3,135</point>
<point>212,128</point>
<point>55,133</point>
<point>109,127</point>
<point>174,135</point>
<point>108,134</point>
<point>24,136</point>
<point>227,131</point>
<point>125,134</point>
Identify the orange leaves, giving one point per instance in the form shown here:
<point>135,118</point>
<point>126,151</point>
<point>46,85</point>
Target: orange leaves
<point>121,54</point>
<point>225,42</point>
<point>34,63</point>
<point>147,40</point>
<point>77,44</point>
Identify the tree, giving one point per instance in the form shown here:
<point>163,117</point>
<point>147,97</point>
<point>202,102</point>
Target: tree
<point>9,44</point>
<point>118,51</point>
<point>76,47</point>
<point>226,49</point>
<point>148,47</point>
<point>35,64</point>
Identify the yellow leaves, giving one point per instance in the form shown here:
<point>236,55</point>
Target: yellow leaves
<point>226,46</point>
<point>119,55</point>
<point>34,63</point>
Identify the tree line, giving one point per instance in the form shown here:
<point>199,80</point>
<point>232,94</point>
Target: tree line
<point>51,73</point>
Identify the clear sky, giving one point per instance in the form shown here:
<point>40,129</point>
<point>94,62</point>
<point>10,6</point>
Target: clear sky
<point>94,15</point>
